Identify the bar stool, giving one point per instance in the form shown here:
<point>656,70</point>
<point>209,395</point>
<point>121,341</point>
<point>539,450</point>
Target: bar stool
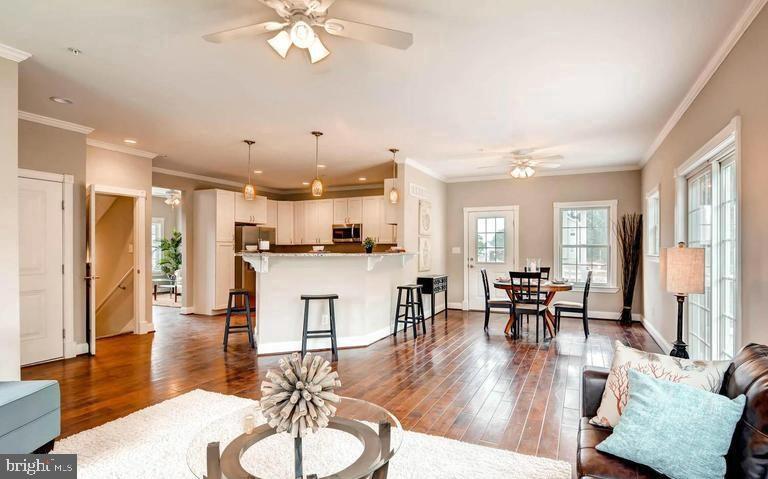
<point>320,333</point>
<point>242,328</point>
<point>414,302</point>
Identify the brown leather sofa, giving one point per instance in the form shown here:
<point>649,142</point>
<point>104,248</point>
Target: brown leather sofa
<point>748,456</point>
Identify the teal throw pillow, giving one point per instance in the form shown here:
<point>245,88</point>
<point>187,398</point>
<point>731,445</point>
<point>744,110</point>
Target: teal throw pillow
<point>678,430</point>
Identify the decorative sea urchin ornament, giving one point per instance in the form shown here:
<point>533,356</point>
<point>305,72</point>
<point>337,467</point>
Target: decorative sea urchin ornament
<point>299,396</point>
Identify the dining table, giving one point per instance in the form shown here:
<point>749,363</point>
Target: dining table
<point>548,287</point>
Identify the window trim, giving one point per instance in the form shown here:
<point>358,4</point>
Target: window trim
<point>710,151</point>
<point>652,194</point>
<point>161,221</point>
<point>612,206</point>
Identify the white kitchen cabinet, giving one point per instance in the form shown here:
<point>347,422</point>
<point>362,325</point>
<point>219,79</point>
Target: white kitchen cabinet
<point>325,221</point>
<point>310,222</point>
<point>213,250</point>
<point>224,212</point>
<point>387,232</point>
<point>371,217</point>
<point>340,211</point>
<point>252,212</point>
<point>298,222</point>
<point>355,210</point>
<point>284,234</point>
<point>271,214</point>
<point>224,274</point>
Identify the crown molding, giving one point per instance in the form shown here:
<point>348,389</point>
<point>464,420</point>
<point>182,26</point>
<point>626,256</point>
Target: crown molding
<point>421,167</point>
<point>746,19</point>
<point>46,120</point>
<point>120,148</point>
<point>13,54</point>
<point>210,179</point>
<point>585,171</point>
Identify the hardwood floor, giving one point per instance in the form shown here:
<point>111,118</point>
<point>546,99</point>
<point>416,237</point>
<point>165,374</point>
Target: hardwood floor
<point>456,381</point>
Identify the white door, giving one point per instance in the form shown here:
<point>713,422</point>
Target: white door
<point>490,246</point>
<point>41,270</point>
<point>91,259</point>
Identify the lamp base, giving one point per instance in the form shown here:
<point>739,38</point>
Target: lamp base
<point>680,350</point>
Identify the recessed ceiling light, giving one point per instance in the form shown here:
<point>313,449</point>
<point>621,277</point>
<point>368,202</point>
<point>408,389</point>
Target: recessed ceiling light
<point>130,141</point>
<point>74,51</point>
<point>362,178</point>
<point>321,166</point>
<point>257,172</point>
<point>58,99</point>
<point>305,183</point>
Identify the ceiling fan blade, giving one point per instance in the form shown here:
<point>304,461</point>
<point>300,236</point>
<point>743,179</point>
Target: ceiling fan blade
<point>369,33</point>
<point>319,6</point>
<point>549,166</point>
<point>546,158</point>
<point>500,165</point>
<point>279,6</point>
<point>243,32</point>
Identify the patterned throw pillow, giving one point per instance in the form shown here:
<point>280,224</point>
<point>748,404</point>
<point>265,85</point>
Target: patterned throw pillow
<point>706,375</point>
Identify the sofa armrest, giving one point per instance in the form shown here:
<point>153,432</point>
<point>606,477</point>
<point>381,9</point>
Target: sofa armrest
<point>593,381</point>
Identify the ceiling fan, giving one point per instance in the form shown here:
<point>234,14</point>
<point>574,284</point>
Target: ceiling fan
<point>296,27</point>
<point>523,163</point>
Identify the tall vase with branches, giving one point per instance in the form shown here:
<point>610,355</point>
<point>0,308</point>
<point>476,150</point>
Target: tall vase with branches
<point>629,233</point>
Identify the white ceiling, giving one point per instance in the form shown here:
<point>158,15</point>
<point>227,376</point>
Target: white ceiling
<point>593,80</point>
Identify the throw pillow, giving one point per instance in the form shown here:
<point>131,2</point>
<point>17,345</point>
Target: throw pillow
<point>707,375</point>
<point>680,431</point>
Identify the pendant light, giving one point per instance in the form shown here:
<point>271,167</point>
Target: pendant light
<point>394,195</point>
<point>249,191</point>
<point>317,185</point>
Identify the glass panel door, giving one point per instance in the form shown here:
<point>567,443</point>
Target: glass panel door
<point>700,236</point>
<point>728,259</point>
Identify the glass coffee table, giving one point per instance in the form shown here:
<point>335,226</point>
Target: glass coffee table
<point>358,443</point>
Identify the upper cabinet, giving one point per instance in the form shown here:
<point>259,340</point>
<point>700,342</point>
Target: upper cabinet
<point>318,222</point>
<point>253,211</point>
<point>271,214</point>
<point>347,211</point>
<point>284,234</point>
<point>225,214</point>
<point>371,217</point>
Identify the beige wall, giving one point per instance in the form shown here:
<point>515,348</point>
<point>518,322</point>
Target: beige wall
<point>10,332</point>
<point>45,148</point>
<point>114,239</point>
<point>739,87</point>
<point>111,168</point>
<point>377,191</point>
<point>535,197</point>
<point>408,229</point>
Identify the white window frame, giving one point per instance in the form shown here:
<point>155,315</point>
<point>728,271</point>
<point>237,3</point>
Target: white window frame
<point>653,231</point>
<point>612,206</point>
<point>161,222</point>
<point>711,150</point>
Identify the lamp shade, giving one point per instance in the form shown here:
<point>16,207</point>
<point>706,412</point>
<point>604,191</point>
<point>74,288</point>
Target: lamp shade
<point>683,270</point>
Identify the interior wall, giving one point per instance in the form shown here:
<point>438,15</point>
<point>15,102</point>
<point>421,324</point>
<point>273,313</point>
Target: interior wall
<point>737,88</point>
<point>408,227</point>
<point>10,327</point>
<point>114,258</point>
<point>45,148</point>
<point>112,168</point>
<point>535,196</point>
<point>373,191</point>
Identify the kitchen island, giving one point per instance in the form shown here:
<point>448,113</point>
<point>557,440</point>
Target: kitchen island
<point>366,285</point>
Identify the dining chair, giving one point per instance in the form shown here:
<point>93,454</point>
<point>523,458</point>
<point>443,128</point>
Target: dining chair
<point>492,303</point>
<point>527,299</point>
<point>575,307</point>
<point>544,276</point>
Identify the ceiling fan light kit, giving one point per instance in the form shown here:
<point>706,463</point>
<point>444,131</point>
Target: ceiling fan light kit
<point>299,17</point>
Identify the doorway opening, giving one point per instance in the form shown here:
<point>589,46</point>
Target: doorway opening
<point>167,242</point>
<point>490,243</point>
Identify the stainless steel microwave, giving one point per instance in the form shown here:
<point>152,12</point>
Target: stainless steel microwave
<point>347,233</point>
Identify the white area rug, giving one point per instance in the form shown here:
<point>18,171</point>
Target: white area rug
<point>153,443</point>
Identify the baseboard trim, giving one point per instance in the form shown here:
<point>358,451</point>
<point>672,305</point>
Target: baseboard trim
<point>458,305</point>
<point>656,335</point>
<point>187,310</point>
<point>81,348</point>
<point>319,344</point>
<point>145,328</point>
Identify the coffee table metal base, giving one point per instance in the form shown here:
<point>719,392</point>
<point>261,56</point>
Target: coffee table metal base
<point>376,449</point>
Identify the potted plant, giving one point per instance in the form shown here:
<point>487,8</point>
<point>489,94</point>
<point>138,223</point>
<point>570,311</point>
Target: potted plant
<point>171,255</point>
<point>368,244</point>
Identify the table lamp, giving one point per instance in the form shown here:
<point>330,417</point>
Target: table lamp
<point>683,274</point>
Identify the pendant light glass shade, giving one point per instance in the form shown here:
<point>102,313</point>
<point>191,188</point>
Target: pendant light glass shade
<point>249,191</point>
<point>394,195</point>
<point>317,185</point>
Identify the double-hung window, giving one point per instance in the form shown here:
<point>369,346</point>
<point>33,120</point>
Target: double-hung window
<point>158,225</point>
<point>652,223</point>
<point>585,241</point>
<point>707,202</point>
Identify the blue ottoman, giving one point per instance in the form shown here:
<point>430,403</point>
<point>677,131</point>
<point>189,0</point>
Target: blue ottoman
<point>30,415</point>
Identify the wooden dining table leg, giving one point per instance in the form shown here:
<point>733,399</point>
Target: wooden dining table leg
<point>512,318</point>
<point>550,318</point>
